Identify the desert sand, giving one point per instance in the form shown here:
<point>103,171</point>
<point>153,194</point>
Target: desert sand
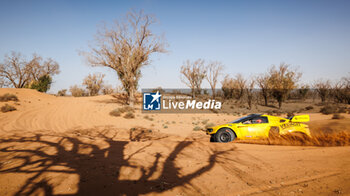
<point>72,146</point>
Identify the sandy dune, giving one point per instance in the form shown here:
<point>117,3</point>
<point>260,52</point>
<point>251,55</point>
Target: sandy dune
<point>72,146</point>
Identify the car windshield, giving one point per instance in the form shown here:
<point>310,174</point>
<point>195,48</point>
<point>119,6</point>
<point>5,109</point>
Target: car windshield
<point>241,119</point>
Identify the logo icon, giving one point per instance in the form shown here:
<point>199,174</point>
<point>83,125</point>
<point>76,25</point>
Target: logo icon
<point>151,101</point>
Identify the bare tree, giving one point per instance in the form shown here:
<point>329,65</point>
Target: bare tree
<point>2,82</point>
<point>94,83</point>
<point>126,48</point>
<point>234,87</point>
<point>341,90</point>
<point>282,80</point>
<point>192,74</point>
<point>263,83</point>
<point>250,92</point>
<point>15,70</point>
<point>39,67</point>
<point>241,83</point>
<point>18,72</point>
<point>213,71</point>
<point>62,92</point>
<point>323,88</point>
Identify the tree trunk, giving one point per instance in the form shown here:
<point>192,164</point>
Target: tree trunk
<point>279,104</point>
<point>131,97</point>
<point>265,99</point>
<point>213,92</point>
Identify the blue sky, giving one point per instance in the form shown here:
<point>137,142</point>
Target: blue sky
<point>247,36</point>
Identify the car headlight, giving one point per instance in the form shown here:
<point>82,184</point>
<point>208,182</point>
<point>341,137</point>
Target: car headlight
<point>209,130</point>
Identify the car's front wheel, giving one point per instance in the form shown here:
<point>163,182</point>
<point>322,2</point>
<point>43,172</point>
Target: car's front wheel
<point>224,135</point>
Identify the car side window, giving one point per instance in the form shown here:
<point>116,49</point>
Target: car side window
<point>259,120</point>
<point>247,122</point>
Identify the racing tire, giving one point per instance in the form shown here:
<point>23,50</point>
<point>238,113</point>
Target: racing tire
<point>212,138</point>
<point>224,135</point>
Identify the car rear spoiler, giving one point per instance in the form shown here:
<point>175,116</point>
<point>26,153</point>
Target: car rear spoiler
<point>300,118</point>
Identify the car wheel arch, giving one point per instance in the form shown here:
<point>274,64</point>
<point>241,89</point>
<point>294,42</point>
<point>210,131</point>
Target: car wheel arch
<point>227,128</point>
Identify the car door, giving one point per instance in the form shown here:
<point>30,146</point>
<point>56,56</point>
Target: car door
<point>259,127</point>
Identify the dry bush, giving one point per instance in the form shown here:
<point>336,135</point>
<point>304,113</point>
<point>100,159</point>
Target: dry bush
<point>282,80</point>
<point>126,109</point>
<point>208,125</point>
<point>148,118</point>
<point>193,74</point>
<point>129,115</point>
<point>62,92</point>
<point>126,47</point>
<point>337,116</point>
<point>115,112</point>
<point>8,97</point>
<point>93,83</point>
<point>234,87</point>
<point>7,108</point>
<point>120,111</point>
<point>107,89</point>
<point>303,91</point>
<point>329,109</point>
<point>323,89</point>
<point>309,107</point>
<point>197,128</point>
<point>18,72</point>
<point>341,91</point>
<point>77,91</point>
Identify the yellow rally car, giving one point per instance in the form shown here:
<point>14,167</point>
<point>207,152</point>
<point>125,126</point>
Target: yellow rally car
<point>255,126</point>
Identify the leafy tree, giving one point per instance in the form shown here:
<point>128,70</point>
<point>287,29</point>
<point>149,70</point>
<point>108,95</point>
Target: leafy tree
<point>43,83</point>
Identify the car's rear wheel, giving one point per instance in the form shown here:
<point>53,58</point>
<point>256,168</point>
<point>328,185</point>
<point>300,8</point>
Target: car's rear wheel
<point>224,135</point>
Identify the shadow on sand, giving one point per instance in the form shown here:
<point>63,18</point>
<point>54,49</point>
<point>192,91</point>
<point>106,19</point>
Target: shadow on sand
<point>98,170</point>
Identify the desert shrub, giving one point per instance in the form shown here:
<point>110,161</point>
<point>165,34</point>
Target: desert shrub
<point>205,121</point>
<point>337,116</point>
<point>77,91</point>
<point>342,110</point>
<point>209,125</point>
<point>233,87</point>
<point>197,128</point>
<point>62,92</point>
<point>309,107</point>
<point>107,90</point>
<point>328,109</point>
<point>126,109</point>
<point>129,115</point>
<point>7,108</point>
<point>94,83</point>
<point>148,118</point>
<point>43,84</point>
<point>115,112</point>
<point>8,97</point>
